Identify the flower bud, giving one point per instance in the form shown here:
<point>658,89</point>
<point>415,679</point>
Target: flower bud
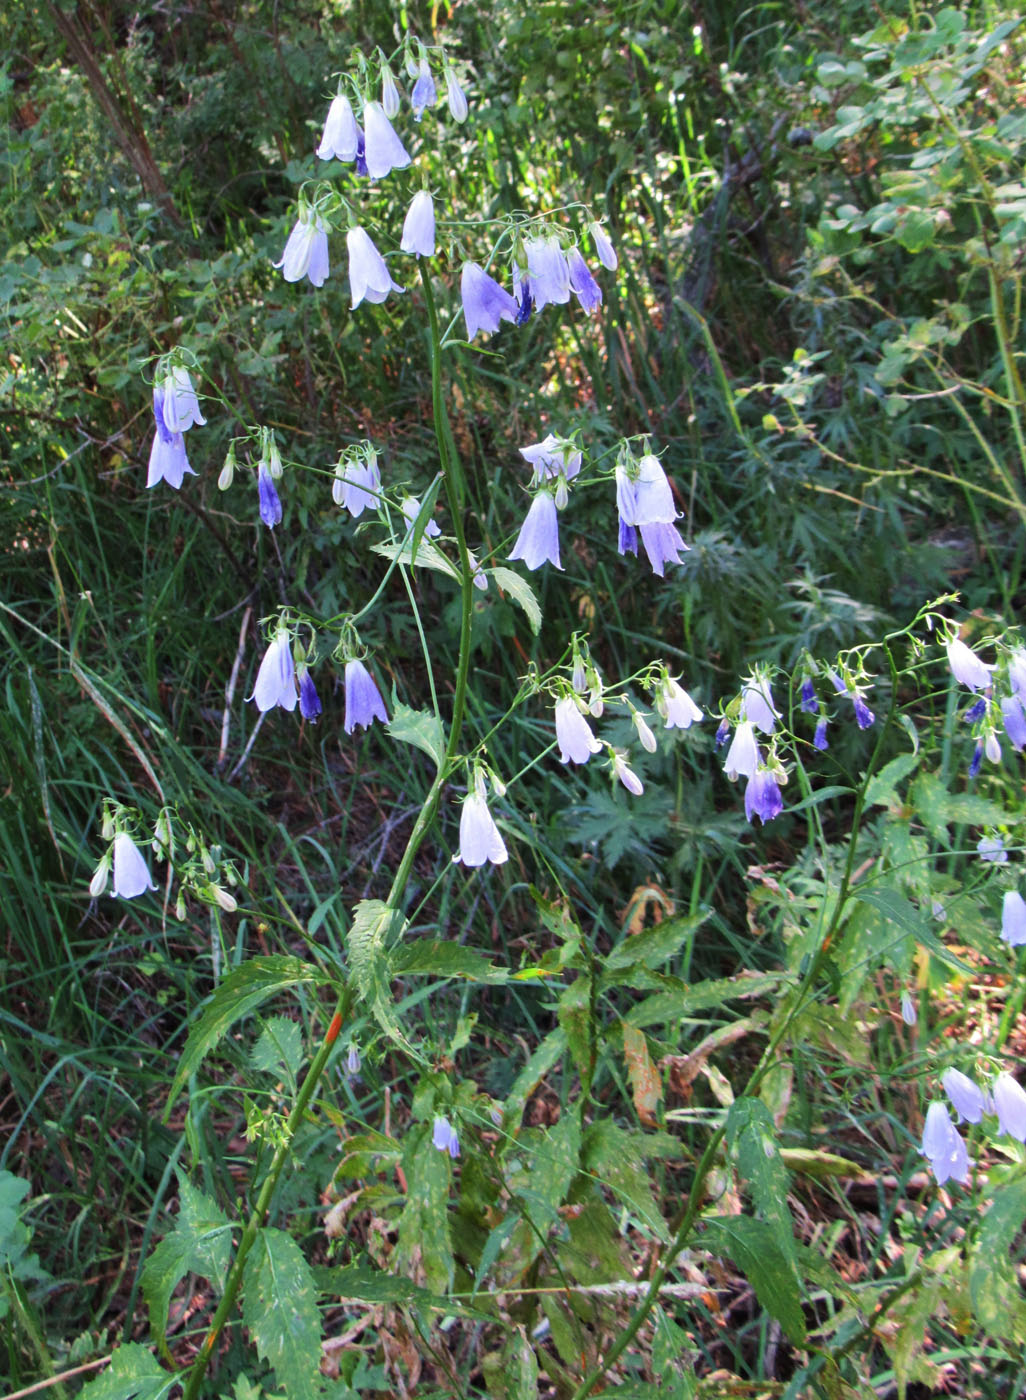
<point>98,883</point>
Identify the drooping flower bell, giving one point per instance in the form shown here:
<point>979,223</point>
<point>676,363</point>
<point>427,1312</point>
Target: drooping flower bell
<point>357,484</point>
<point>573,733</point>
<point>419,226</point>
<point>965,1094</point>
<point>626,774</point>
<point>538,541</point>
<point>943,1146</point>
<point>546,276</point>
<point>455,96</point>
<point>270,501</point>
<point>675,705</point>
<point>1013,919</point>
<point>1014,721</point>
<point>131,873</point>
<point>604,250</point>
<point>383,150</point>
<point>443,1136</point>
<point>341,138</point>
<point>363,698</point>
<point>276,678</point>
<point>762,796</point>
<point>309,701</point>
<point>179,405</point>
<point>582,283</point>
<point>369,277</point>
<point>306,252</point>
<point>411,509</point>
<point>757,704</point>
<point>168,460</point>
<point>966,666</point>
<point>424,93</point>
<point>485,303</point>
<point>743,755</point>
<point>480,838</point>
<point>551,458</point>
<point>1010,1106</point>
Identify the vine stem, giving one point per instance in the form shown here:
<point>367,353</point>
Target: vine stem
<point>263,1201</point>
<point>696,1197</point>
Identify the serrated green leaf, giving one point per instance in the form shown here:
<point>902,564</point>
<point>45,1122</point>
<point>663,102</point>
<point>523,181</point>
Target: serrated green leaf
<point>279,1050</point>
<point>429,556</point>
<point>938,808</point>
<point>882,790</point>
<point>668,1007</point>
<point>616,1158</point>
<point>654,946</point>
<point>753,1247</point>
<point>900,912</point>
<point>241,992</point>
<point>368,1285</point>
<point>993,1285</point>
<point>280,1311</point>
<point>548,1053</point>
<point>574,1014</point>
<point>441,959</point>
<point>133,1374</point>
<point>420,728</point>
<point>200,1243</point>
<point>374,928</point>
<point>424,1239</point>
<point>522,594</point>
<point>752,1139</point>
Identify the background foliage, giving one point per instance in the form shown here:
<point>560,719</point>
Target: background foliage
<point>819,216</point>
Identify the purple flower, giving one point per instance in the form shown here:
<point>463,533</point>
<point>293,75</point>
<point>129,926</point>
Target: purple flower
<point>353,1060</point>
<point>966,1096</point>
<point>309,700</point>
<point>369,278</point>
<point>424,93</point>
<point>819,739</point>
<point>573,733</point>
<point>864,716</point>
<point>276,678</point>
<point>1013,919</point>
<point>966,666</point>
<point>363,698</point>
<point>908,1009</point>
<point>382,150</point>
<point>663,544</point>
<point>653,496</point>
<point>131,873</point>
<point>675,705</point>
<point>547,277</point>
<point>582,283</point>
<point>306,252</point>
<point>411,509</point>
<point>443,1136</point>
<point>627,776</point>
<point>976,710</point>
<point>485,303</point>
<point>1014,720</point>
<point>743,755</point>
<point>604,250</point>
<point>976,762</point>
<point>992,848</point>
<point>419,226</point>
<point>551,458</point>
<point>457,98</point>
<point>180,408</point>
<point>723,734</point>
<point>538,540</point>
<point>341,137</point>
<point>1017,672</point>
<point>357,484</point>
<point>943,1146</point>
<point>809,699</point>
<point>270,501</point>
<point>762,796</point>
<point>480,838</point>
<point>757,704</point>
<point>1010,1106</point>
<point>168,460</point>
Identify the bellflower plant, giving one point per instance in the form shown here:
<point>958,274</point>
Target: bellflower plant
<point>965,1094</point>
<point>582,283</point>
<point>604,250</point>
<point>168,459</point>
<point>443,1136</point>
<point>573,733</point>
<point>1010,1106</point>
<point>674,705</point>
<point>363,698</point>
<point>369,277</point>
<point>419,226</point>
<point>743,755</point>
<point>551,458</point>
<point>538,541</point>
<point>383,151</point>
<point>485,303</point>
<point>270,501</point>
<point>179,405</point>
<point>966,666</point>
<point>480,838</point>
<point>762,796</point>
<point>357,484</point>
<point>943,1146</point>
<point>131,873</point>
<point>306,252</point>
<point>276,678</point>
<point>757,704</point>
<point>1013,919</point>
<point>424,92</point>
<point>341,139</point>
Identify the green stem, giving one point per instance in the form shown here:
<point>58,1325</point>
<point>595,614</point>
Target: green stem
<point>263,1201</point>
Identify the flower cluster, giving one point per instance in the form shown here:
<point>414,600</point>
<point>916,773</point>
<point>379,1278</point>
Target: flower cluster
<point>1000,690</point>
<point>644,501</point>
<point>753,710</point>
<point>943,1145</point>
